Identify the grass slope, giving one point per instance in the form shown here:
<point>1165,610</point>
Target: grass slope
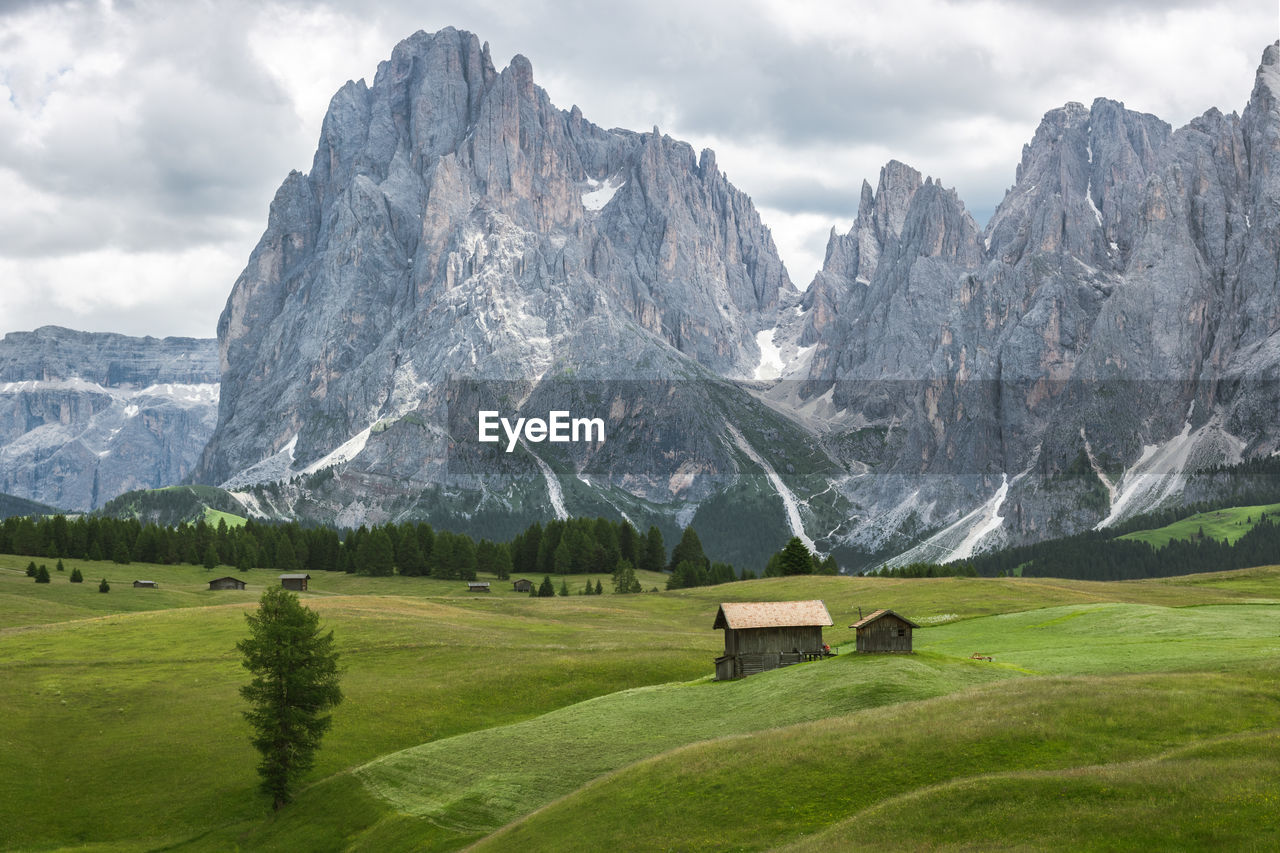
<point>466,712</point>
<point>447,793</point>
<point>757,793</point>
<point>175,504</point>
<point>1225,525</point>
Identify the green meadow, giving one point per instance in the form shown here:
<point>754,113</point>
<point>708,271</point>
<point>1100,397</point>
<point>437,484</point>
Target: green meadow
<point>1130,715</point>
<point>1225,525</point>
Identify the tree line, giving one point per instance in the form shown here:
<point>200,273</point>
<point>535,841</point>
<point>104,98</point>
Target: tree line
<point>572,546</point>
<point>560,547</point>
<point>1100,555</point>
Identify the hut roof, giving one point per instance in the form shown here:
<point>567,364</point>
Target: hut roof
<point>867,620</point>
<point>771,614</point>
<point>227,578</point>
<point>296,577</point>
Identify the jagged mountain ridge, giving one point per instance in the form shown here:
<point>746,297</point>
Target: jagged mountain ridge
<point>1058,369</point>
<point>456,227</point>
<point>1118,314</point>
<point>87,416</point>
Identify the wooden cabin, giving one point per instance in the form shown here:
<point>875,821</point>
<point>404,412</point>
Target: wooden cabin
<point>523,585</point>
<point>295,582</point>
<point>146,585</point>
<point>767,635</point>
<point>477,586</point>
<point>227,582</point>
<point>884,631</point>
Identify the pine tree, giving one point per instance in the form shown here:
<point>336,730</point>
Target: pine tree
<point>689,549</point>
<point>796,559</point>
<point>564,587</point>
<point>376,556</point>
<point>42,574</point>
<point>31,569</point>
<point>61,567</point>
<point>545,589</point>
<point>286,557</point>
<point>120,554</point>
<point>76,577</point>
<point>409,558</point>
<point>599,587</point>
<point>210,557</point>
<point>295,681</point>
<point>654,555</point>
<point>104,586</point>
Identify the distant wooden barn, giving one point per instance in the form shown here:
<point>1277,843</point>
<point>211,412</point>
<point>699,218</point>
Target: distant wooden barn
<point>226,583</point>
<point>295,582</point>
<point>884,631</point>
<point>767,635</point>
<point>477,586</point>
<point>523,585</point>
<point>146,585</point>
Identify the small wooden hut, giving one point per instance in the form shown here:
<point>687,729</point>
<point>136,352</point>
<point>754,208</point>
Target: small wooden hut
<point>227,582</point>
<point>769,634</point>
<point>477,586</point>
<point>146,585</point>
<point>523,585</point>
<point>295,582</point>
<point>884,631</point>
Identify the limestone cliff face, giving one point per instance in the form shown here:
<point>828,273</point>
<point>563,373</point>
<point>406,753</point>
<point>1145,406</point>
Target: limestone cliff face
<point>85,417</point>
<point>1105,335</point>
<point>460,242</point>
<point>455,223</point>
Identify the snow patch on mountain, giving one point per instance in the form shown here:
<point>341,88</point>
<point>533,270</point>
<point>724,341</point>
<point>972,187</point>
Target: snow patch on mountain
<point>598,193</point>
<point>277,466</point>
<point>345,452</point>
<point>770,366</point>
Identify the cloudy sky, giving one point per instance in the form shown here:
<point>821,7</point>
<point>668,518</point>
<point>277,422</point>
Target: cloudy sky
<point>141,142</point>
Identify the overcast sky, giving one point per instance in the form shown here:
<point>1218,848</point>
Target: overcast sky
<point>141,142</point>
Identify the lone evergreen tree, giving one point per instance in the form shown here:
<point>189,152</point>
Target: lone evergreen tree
<point>42,574</point>
<point>76,577</point>
<point>545,589</point>
<point>796,559</point>
<point>104,586</point>
<point>295,680</point>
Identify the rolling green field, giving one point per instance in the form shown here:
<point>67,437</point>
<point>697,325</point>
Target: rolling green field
<point>1225,525</point>
<point>1111,717</point>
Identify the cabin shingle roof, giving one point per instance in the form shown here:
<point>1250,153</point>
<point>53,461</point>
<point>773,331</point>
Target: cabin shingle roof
<point>772,614</point>
<point>871,617</point>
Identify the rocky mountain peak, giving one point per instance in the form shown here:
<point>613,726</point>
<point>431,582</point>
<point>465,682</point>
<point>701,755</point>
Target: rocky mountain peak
<point>456,221</point>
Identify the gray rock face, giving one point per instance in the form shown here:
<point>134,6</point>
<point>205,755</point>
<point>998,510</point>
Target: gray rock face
<point>456,224</point>
<point>459,242</point>
<point>85,417</point>
<point>1113,329</point>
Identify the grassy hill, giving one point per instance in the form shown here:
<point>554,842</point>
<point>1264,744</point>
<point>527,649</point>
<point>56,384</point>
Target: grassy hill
<point>175,504</point>
<point>1225,525</point>
<point>588,722</point>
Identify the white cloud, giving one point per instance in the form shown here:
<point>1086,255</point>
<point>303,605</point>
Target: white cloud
<point>141,143</point>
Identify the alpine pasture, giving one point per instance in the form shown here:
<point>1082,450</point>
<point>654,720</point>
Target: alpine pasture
<point>1113,715</point>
